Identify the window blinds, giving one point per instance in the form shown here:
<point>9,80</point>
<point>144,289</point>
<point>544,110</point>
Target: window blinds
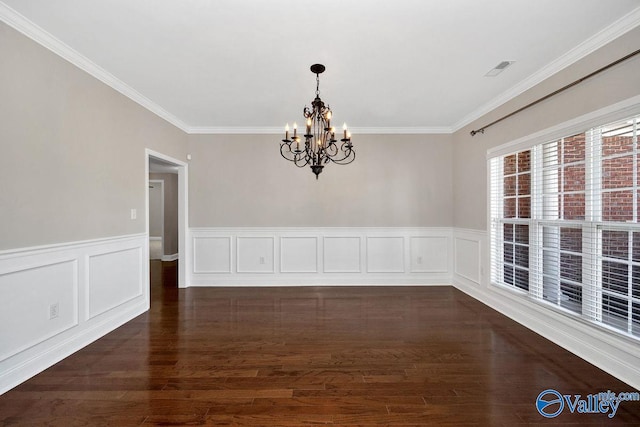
<point>564,224</point>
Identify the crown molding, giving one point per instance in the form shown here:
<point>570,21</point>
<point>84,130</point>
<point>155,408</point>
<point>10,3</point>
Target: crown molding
<point>408,130</point>
<point>45,39</point>
<point>597,41</point>
<point>231,130</point>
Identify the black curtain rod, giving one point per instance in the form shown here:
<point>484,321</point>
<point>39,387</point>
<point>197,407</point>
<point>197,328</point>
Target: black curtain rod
<point>481,130</point>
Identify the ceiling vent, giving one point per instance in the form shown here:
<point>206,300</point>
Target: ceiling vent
<point>499,68</point>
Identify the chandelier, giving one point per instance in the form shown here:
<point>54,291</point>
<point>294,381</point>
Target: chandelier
<point>320,145</point>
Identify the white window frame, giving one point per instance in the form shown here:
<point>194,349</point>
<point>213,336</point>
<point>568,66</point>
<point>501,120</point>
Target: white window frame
<point>592,225</point>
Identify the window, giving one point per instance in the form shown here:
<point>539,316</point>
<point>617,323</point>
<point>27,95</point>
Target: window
<point>564,224</point>
<point>516,206</point>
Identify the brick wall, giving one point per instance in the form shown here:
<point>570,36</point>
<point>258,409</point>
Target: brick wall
<point>617,177</point>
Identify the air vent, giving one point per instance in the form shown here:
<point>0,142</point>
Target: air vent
<point>499,68</point>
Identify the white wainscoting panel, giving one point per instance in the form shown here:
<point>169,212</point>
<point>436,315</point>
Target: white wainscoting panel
<point>212,254</point>
<point>385,254</point>
<point>299,254</point>
<point>114,278</point>
<point>321,256</point>
<point>29,295</point>
<point>468,252</point>
<point>56,299</point>
<point>255,254</point>
<point>430,254</point>
<point>342,254</point>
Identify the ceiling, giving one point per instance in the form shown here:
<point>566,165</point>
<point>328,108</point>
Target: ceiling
<point>157,165</point>
<point>242,66</point>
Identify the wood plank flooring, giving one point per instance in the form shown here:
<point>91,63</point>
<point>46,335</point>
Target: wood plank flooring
<point>343,356</point>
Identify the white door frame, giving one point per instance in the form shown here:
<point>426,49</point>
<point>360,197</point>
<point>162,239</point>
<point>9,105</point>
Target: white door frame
<point>183,211</point>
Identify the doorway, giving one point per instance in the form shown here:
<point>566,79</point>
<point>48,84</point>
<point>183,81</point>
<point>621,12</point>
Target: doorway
<point>166,220</point>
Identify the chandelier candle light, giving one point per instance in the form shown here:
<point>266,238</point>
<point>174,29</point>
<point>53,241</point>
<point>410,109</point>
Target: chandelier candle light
<point>320,141</point>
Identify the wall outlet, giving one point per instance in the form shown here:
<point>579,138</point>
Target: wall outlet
<point>134,213</point>
<point>261,260</point>
<point>54,310</point>
<point>419,260</point>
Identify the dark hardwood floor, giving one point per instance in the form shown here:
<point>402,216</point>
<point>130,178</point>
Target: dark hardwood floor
<point>347,356</point>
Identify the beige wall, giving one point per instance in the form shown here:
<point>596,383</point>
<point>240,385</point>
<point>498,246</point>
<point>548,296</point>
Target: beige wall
<point>469,153</point>
<point>396,180</point>
<point>72,163</point>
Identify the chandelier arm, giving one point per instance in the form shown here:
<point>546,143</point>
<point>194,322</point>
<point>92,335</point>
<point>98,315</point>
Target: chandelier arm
<point>303,158</point>
<point>287,152</point>
<point>284,152</point>
<point>298,162</point>
<point>348,151</point>
<point>300,159</point>
<point>332,149</point>
<point>345,160</point>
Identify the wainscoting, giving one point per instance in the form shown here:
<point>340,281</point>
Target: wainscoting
<point>327,256</point>
<point>59,298</point>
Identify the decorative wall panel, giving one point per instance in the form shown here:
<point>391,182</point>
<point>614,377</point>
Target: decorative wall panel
<point>467,258</point>
<point>212,254</point>
<point>385,255</point>
<point>255,254</point>
<point>342,254</point>
<point>430,254</point>
<point>321,256</point>
<point>299,254</point>
<point>38,302</point>
<point>114,278</point>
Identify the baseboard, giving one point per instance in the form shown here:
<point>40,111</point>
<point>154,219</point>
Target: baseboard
<point>320,281</point>
<point>172,257</point>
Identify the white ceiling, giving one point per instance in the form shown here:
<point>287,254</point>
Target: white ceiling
<point>392,66</point>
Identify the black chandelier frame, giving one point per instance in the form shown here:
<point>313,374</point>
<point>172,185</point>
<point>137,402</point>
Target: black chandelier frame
<point>320,144</point>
